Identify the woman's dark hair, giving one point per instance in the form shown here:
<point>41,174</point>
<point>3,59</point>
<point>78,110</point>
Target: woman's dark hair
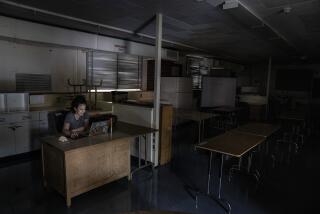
<point>78,100</point>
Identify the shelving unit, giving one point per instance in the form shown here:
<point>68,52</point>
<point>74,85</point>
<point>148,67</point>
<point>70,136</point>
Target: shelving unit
<point>196,69</point>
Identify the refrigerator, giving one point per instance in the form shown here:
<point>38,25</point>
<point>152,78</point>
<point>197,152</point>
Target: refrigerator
<point>177,91</point>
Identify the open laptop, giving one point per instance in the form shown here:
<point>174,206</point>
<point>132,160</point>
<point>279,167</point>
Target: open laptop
<point>96,128</point>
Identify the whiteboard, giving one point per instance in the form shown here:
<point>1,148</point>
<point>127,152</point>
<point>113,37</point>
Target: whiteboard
<point>218,91</point>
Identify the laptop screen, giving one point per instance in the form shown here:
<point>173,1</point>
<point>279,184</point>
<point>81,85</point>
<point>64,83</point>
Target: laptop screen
<point>98,128</point>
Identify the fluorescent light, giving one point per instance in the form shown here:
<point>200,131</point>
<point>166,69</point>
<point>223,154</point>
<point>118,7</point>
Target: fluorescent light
<point>229,4</point>
<point>136,89</point>
<point>101,90</point>
<point>217,68</point>
<point>110,90</point>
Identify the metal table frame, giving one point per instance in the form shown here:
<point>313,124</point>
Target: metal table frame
<point>200,119</point>
<point>146,162</point>
<point>221,201</point>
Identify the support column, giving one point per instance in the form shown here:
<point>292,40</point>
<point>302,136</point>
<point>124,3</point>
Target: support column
<point>157,77</point>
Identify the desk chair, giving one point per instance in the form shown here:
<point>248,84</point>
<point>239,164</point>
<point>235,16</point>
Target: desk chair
<point>56,121</point>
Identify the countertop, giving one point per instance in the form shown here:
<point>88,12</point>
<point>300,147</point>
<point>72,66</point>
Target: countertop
<point>120,131</point>
<point>48,108</point>
<point>91,113</point>
<point>136,103</point>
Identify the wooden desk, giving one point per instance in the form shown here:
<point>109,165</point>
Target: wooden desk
<point>230,143</point>
<point>260,129</point>
<point>78,166</point>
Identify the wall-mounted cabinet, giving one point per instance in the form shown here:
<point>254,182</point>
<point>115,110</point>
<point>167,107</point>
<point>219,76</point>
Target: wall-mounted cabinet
<point>59,63</point>
<point>168,69</point>
<point>116,71</point>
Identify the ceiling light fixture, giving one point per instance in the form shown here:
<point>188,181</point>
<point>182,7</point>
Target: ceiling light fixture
<point>215,3</point>
<point>229,4</point>
<point>287,9</point>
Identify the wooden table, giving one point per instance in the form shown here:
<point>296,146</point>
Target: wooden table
<point>225,109</point>
<point>295,122</point>
<point>153,212</point>
<point>197,116</point>
<point>230,143</point>
<point>227,113</point>
<point>260,129</point>
<point>297,116</point>
<point>77,166</point>
<point>265,130</point>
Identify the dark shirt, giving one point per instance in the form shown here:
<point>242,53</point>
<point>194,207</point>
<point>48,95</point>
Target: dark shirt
<point>74,123</point>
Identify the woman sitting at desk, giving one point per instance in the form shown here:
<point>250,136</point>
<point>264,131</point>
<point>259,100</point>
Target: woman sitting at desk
<point>76,121</point>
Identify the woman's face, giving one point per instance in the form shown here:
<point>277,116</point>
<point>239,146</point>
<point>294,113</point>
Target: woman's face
<point>80,110</point>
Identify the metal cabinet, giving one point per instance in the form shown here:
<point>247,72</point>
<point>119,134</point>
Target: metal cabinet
<point>39,128</point>
<point>35,141</point>
<point>14,133</point>
<point>21,132</point>
<point>43,128</point>
<point>7,142</point>
<point>22,137</point>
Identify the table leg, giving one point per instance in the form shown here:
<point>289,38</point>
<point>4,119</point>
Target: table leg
<point>139,152</point>
<point>222,202</point>
<point>199,137</point>
<point>145,150</point>
<point>202,129</point>
<point>220,177</point>
<point>209,174</point>
<point>146,164</point>
<point>68,201</point>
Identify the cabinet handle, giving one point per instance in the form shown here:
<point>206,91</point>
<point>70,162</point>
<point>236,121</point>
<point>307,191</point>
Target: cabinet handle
<point>17,127</point>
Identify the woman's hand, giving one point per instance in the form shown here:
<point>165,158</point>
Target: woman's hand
<point>74,134</point>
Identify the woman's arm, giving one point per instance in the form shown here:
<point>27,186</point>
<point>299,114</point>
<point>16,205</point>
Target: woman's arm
<point>69,133</point>
<point>83,128</point>
<point>66,129</point>
<point>74,132</point>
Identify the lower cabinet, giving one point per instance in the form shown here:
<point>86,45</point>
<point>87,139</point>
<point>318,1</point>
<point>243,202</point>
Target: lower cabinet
<point>35,141</point>
<point>22,137</point>
<point>7,142</point>
<point>20,133</point>
<point>39,128</point>
<point>15,138</point>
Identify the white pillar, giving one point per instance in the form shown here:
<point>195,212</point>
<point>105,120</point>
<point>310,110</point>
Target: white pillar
<point>268,85</point>
<point>157,77</point>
